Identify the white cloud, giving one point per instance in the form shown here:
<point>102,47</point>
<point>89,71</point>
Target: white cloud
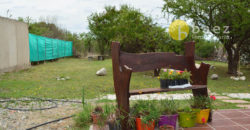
<point>72,14</point>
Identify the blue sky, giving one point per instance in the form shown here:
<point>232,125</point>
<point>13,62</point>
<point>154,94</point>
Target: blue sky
<point>72,14</point>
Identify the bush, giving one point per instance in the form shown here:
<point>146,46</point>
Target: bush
<point>205,49</point>
<point>83,119</point>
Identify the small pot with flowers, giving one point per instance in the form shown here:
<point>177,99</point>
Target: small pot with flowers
<point>173,77</point>
<point>164,78</point>
<point>184,77</point>
<point>188,117</point>
<point>205,104</point>
<point>144,114</point>
<point>169,115</point>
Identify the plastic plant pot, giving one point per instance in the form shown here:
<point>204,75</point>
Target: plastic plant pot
<point>178,81</point>
<point>187,119</point>
<point>168,120</point>
<point>164,83</point>
<point>171,82</point>
<point>113,126</point>
<point>166,127</point>
<point>202,116</point>
<point>142,126</point>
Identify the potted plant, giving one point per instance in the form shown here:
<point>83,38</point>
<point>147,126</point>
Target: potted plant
<point>96,114</point>
<point>145,114</point>
<point>83,119</point>
<point>203,103</point>
<point>187,117</point>
<point>110,113</point>
<point>173,77</point>
<point>185,76</point>
<point>169,113</point>
<point>163,76</point>
<point>166,127</point>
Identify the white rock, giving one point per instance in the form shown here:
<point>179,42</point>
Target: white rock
<point>197,66</point>
<point>214,76</point>
<point>243,78</point>
<point>62,78</point>
<point>236,78</point>
<point>67,77</point>
<point>101,72</point>
<point>24,117</point>
<point>239,73</point>
<point>212,67</point>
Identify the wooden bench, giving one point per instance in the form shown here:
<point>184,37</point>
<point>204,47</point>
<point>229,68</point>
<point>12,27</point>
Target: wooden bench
<point>125,63</point>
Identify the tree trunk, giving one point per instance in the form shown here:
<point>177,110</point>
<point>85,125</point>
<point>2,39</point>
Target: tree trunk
<point>233,59</point>
<point>157,72</point>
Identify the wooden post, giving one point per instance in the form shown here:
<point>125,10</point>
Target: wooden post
<point>121,76</point>
<point>199,75</point>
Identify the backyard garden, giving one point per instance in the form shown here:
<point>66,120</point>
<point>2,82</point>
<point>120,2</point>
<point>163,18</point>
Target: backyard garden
<point>41,80</point>
<point>66,79</point>
<point>185,67</point>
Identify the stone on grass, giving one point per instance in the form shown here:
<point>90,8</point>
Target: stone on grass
<point>212,67</point>
<point>243,78</point>
<point>239,73</point>
<point>197,66</point>
<point>222,97</point>
<point>214,76</point>
<point>235,78</point>
<point>244,106</point>
<point>67,77</point>
<point>101,72</point>
<point>235,101</point>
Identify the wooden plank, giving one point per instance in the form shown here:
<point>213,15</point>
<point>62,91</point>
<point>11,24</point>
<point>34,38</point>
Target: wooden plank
<point>156,90</point>
<point>150,61</point>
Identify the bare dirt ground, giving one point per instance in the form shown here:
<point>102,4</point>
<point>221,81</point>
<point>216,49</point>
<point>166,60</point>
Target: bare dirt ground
<point>21,120</point>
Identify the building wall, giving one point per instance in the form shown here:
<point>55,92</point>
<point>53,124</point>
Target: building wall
<point>14,45</point>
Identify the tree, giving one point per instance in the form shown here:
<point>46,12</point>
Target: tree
<point>135,32</point>
<point>228,20</point>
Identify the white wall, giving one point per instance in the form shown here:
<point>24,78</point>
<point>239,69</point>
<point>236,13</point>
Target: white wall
<point>14,45</point>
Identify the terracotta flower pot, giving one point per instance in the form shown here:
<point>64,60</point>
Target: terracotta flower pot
<point>142,126</point>
<point>95,117</point>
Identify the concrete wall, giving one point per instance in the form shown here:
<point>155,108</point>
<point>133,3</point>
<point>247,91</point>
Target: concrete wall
<point>14,45</point>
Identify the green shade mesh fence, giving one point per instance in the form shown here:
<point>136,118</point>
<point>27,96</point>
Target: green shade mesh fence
<point>43,48</point>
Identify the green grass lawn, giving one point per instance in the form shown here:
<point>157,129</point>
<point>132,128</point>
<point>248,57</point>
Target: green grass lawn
<point>40,80</point>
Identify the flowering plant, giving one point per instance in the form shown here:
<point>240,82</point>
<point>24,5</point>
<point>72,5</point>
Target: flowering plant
<point>186,75</point>
<point>174,74</point>
<point>164,74</point>
<point>203,102</point>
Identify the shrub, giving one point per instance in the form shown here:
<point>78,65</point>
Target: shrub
<point>205,49</point>
<point>83,119</point>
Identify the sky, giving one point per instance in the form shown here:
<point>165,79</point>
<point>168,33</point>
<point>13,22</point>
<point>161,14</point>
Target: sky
<point>72,14</point>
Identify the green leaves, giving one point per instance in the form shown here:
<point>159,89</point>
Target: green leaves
<point>127,25</point>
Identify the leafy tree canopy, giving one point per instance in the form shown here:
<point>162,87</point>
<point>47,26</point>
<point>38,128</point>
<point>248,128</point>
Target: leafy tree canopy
<point>228,20</point>
<point>135,31</point>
